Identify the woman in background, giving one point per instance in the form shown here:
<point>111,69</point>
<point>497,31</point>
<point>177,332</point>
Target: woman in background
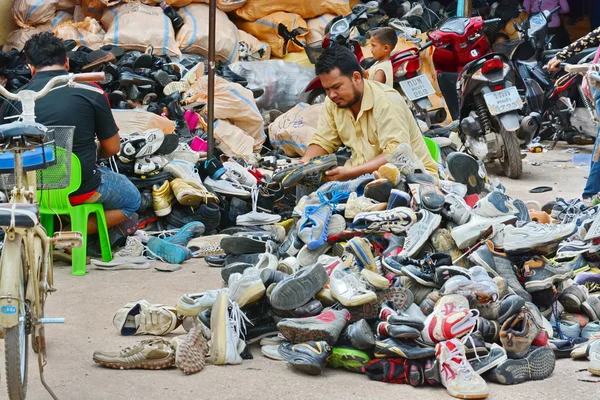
<point>561,37</point>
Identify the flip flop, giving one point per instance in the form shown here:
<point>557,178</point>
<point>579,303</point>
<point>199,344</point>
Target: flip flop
<point>540,189</point>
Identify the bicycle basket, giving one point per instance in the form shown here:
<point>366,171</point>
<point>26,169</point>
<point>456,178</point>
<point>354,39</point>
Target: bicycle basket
<point>314,51</point>
<point>58,175</point>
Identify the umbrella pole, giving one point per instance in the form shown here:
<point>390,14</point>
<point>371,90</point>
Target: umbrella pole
<point>212,12</point>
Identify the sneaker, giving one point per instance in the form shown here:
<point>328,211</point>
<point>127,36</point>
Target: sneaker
<point>519,331</point>
<point>495,204</point>
<point>190,352</point>
<point>419,233</point>
<point>498,264</point>
<point>397,331</point>
<point>169,252</point>
<point>226,327</point>
<point>451,318</point>
<point>299,288</point>
<point>139,145</point>
<point>312,171</point>
<point>593,354</point>
<point>192,304</point>
<point>307,257</point>
<point>455,188</point>
<point>378,190</point>
<point>431,198</point>
<point>532,235</point>
<point>571,249</point>
<point>359,335</point>
<point>466,170</point>
<point>591,306</point>
<point>361,249</point>
<point>291,246</point>
<point>389,370</point>
<point>573,297</point>
<point>133,248</point>
<point>457,375</point>
<point>236,172</point>
<point>148,165</point>
<point>227,187</point>
<point>204,246</point>
<point>187,194</point>
<point>148,354</point>
<point>246,288</point>
<point>327,326</point>
<point>245,243</point>
<point>209,214</point>
<point>142,318</point>
<point>348,359</point>
<point>187,171</point>
<point>271,351</point>
<point>310,357</point>
<point>212,168</point>
<point>392,348</point>
<point>456,210</point>
<point>349,289</point>
<point>496,356</point>
<point>469,234</point>
<point>396,220</point>
<point>312,228</point>
<point>390,172</point>
<point>289,265</point>
<point>510,305</point>
<point>405,160</point>
<point>398,198</point>
<point>359,204</point>
<point>162,199</point>
<point>374,279</point>
<point>540,274</point>
<point>186,233</point>
<point>563,209</point>
<point>538,364</point>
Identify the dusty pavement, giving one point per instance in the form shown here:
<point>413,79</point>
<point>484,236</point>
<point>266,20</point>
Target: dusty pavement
<point>88,303</point>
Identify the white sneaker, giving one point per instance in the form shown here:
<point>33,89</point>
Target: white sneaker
<point>246,288</point>
<point>266,261</point>
<point>376,280</point>
<point>185,153</point>
<point>226,328</point>
<point>147,165</point>
<point>186,171</point>
<point>227,187</point>
<point>495,204</point>
<point>239,174</point>
<point>535,235</point>
<point>358,204</point>
<point>456,209</point>
<point>349,289</point>
<point>289,265</point>
<point>133,248</point>
<point>405,159</point>
<point>138,145</point>
<point>420,232</point>
<point>468,234</point>
<point>451,187</point>
<point>192,304</point>
<point>593,353</point>
<point>456,373</point>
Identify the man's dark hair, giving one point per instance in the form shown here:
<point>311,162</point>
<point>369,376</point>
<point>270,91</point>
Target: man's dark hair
<point>337,57</point>
<point>386,36</point>
<point>44,50</point>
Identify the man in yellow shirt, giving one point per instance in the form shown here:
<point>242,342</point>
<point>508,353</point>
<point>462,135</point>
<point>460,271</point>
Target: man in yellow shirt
<point>365,116</point>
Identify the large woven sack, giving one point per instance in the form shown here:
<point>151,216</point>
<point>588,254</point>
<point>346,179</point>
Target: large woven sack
<point>137,120</point>
<point>265,29</point>
<point>225,5</point>
<point>235,104</point>
<point>232,141</point>
<point>17,38</point>
<point>88,33</point>
<point>93,8</point>
<point>67,4</point>
<point>252,49</point>
<point>30,13</point>
<point>192,38</point>
<point>255,9</point>
<point>292,131</point>
<point>136,26</point>
<point>316,27</point>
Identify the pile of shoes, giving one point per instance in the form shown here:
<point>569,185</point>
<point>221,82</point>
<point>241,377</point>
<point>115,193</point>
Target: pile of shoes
<point>404,279</point>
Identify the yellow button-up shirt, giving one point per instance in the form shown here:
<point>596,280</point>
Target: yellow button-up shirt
<point>384,121</point>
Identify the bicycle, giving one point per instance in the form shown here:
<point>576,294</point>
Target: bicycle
<point>26,275</point>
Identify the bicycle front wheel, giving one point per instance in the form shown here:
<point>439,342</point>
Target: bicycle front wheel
<point>16,348</point>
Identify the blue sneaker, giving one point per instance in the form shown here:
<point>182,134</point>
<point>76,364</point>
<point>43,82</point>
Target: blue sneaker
<point>313,225</point>
<point>354,185</point>
<point>187,233</point>
<point>495,204</point>
<point>169,252</point>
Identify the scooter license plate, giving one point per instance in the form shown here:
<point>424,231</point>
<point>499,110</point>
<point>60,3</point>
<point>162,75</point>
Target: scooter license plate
<point>417,88</point>
<point>503,101</point>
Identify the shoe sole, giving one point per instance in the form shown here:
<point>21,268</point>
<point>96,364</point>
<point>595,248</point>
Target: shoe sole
<point>594,371</point>
<point>350,362</point>
<point>547,283</point>
<point>189,358</point>
<point>296,176</point>
<point>251,295</point>
<point>481,395</point>
<point>218,326</point>
<point>242,245</point>
<point>537,365</point>
<point>465,169</point>
<point>146,364</point>
<point>298,291</point>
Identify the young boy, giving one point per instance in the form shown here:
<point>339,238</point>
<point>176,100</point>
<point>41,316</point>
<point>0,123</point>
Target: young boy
<point>383,41</point>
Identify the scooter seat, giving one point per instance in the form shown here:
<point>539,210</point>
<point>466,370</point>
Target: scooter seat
<point>368,62</point>
<point>40,157</point>
<point>21,215</point>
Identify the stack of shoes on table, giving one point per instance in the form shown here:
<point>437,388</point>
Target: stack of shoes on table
<point>403,278</point>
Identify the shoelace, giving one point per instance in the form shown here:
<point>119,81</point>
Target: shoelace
<point>462,365</point>
<point>238,319</point>
<point>144,343</point>
<point>356,282</point>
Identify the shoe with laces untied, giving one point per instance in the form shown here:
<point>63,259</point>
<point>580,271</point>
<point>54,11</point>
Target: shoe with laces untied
<point>457,374</point>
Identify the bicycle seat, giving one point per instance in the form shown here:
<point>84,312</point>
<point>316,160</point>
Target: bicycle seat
<point>26,129</point>
<point>25,215</point>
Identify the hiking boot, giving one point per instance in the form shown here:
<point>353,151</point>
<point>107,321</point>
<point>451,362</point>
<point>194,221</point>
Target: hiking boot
<point>299,288</point>
<point>573,297</point>
<point>309,357</point>
<point>327,326</point>
<point>496,356</point>
<point>396,220</point>
<point>311,172</point>
<point>519,331</point>
<point>359,204</point>
<point>349,289</point>
<point>478,227</point>
<point>392,348</point>
<point>533,235</point>
<point>495,204</point>
<point>397,331</point>
<point>359,335</point>
<point>538,364</point>
<point>498,264</point>
<point>457,374</point>
<point>419,233</point>
<point>349,359</point>
<point>540,274</point>
<point>246,288</point>
<point>148,354</point>
<point>162,199</point>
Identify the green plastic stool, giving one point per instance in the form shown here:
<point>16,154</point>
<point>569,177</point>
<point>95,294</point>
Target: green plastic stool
<point>56,201</point>
<point>433,148</point>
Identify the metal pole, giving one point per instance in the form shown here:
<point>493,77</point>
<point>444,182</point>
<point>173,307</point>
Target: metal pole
<point>212,13</point>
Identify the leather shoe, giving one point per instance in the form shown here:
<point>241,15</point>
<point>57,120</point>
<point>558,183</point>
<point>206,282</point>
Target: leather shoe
<point>128,79</point>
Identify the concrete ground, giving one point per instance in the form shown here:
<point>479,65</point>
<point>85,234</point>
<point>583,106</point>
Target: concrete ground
<point>88,303</point>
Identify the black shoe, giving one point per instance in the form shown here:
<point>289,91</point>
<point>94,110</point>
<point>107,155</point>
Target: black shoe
<point>161,77</point>
<point>309,357</point>
<point>155,108</point>
<point>146,202</point>
<point>538,364</point>
<point>209,214</point>
<point>234,268</point>
<point>170,12</point>
<point>231,76</point>
<point>269,195</point>
<point>133,93</point>
<point>358,335</point>
<point>143,61</point>
<point>212,168</point>
<point>116,97</point>
<point>169,144</point>
<point>215,261</point>
<point>390,347</point>
<point>465,169</point>
<point>128,79</point>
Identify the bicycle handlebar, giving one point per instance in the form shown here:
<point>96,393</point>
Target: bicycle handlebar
<point>70,80</point>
